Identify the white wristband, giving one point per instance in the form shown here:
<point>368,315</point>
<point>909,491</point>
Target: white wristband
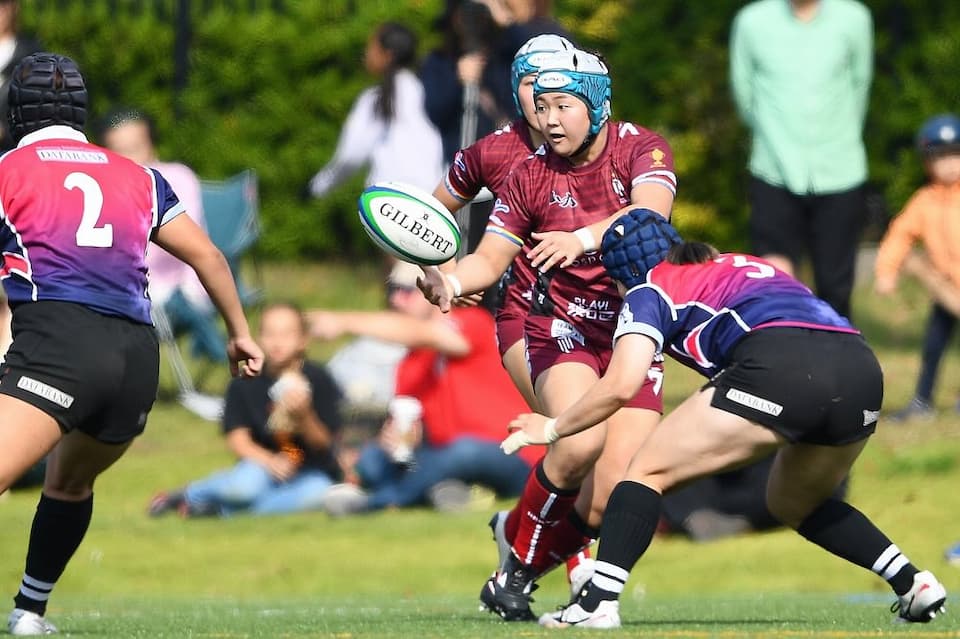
<point>550,430</point>
<point>455,283</point>
<point>586,238</point>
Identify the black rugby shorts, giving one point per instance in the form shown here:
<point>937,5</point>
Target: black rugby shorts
<point>89,371</point>
<point>814,387</point>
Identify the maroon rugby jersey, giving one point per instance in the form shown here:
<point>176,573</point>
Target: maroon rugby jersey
<point>488,163</point>
<point>546,193</point>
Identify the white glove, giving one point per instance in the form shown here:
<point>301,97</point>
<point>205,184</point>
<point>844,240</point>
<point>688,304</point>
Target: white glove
<point>520,438</point>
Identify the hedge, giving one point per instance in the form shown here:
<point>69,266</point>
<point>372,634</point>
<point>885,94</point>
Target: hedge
<point>270,83</point>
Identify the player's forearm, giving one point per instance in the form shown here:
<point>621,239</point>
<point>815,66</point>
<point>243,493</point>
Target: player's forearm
<point>476,272</point>
<point>625,375</point>
<point>215,275</point>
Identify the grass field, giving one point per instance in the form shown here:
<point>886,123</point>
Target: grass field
<point>417,573</point>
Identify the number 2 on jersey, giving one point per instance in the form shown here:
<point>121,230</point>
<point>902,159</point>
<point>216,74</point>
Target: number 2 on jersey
<point>88,233</point>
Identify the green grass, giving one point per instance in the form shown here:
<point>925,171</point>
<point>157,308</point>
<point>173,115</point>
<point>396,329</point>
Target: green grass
<point>417,573</point>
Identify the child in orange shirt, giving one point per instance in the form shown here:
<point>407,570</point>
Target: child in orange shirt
<point>932,216</point>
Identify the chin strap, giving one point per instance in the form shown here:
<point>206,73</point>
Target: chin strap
<point>586,144</point>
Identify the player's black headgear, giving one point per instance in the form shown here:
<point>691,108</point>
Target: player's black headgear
<point>45,89</point>
<point>635,243</point>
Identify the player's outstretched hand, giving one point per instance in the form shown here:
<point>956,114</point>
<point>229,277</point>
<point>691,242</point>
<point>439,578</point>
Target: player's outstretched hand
<point>529,429</point>
<point>245,356</point>
<point>554,248</point>
<point>436,287</point>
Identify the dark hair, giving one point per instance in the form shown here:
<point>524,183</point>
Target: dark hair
<point>467,26</point>
<point>691,253</point>
<point>401,43</point>
<point>123,115</point>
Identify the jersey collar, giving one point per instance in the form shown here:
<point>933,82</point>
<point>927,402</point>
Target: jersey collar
<point>52,132</point>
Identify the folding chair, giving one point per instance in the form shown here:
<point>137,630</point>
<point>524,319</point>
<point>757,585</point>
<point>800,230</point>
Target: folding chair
<point>231,213</point>
<point>208,407</point>
<point>231,208</point>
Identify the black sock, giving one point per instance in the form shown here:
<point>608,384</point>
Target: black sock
<point>629,523</point>
<point>841,529</point>
<point>585,529</point>
<point>58,528</point>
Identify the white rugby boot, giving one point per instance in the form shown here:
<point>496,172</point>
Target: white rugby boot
<point>23,623</point>
<point>605,617</point>
<point>924,601</point>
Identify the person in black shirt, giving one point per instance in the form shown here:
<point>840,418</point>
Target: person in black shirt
<point>281,426</point>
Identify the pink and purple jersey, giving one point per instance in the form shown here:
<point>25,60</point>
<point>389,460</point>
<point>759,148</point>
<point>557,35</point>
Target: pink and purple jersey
<point>488,163</point>
<point>546,193</point>
<point>75,223</point>
<point>696,313</point>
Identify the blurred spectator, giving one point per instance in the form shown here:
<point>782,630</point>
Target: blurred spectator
<point>452,372</point>
<point>462,89</point>
<point>952,554</point>
<point>801,73</point>
<point>932,216</point>
<point>729,503</point>
<point>14,46</point>
<point>387,127</point>
<point>281,426</point>
<point>174,286</point>
<point>519,20</point>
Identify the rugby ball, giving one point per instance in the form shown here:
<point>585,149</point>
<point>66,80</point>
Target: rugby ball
<point>409,223</point>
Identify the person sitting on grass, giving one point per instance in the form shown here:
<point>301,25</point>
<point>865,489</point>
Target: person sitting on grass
<point>453,372</point>
<point>786,372</point>
<point>281,426</point>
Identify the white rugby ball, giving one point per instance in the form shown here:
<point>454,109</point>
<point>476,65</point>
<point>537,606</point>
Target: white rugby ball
<point>409,223</point>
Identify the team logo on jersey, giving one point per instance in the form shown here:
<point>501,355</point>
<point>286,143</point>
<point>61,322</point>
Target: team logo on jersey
<point>566,201</point>
<point>458,161</point>
<point>657,156</point>
<point>566,335</point>
<point>500,207</point>
<point>618,187</point>
<point>597,310</point>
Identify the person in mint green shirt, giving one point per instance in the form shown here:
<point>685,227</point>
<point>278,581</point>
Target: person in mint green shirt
<point>800,72</point>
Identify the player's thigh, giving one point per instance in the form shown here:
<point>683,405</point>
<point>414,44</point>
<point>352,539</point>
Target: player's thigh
<point>75,462</point>
<point>515,363</point>
<point>805,475</point>
<point>26,435</point>
<point>627,429</point>
<point>695,440</point>
<point>569,459</point>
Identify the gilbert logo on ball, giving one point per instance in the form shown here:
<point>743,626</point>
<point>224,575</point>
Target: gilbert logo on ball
<point>409,223</point>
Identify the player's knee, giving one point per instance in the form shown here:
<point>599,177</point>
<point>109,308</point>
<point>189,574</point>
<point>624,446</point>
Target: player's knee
<point>568,470</point>
<point>68,490</point>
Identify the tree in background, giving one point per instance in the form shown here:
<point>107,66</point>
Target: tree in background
<point>270,81</point>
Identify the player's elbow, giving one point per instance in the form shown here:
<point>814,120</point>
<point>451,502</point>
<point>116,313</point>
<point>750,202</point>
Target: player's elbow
<point>623,389</point>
